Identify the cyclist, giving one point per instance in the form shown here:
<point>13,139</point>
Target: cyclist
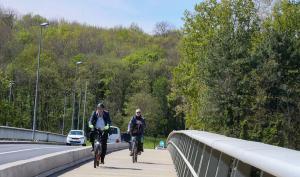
<point>100,120</point>
<point>136,128</point>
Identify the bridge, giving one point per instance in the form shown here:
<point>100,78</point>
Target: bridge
<point>190,154</point>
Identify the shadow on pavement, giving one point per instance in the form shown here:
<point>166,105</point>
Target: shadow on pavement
<point>151,163</point>
<point>120,168</point>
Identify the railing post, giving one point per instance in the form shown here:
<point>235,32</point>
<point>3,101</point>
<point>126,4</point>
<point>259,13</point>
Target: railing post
<point>181,162</point>
<point>184,151</point>
<point>242,169</point>
<point>195,153</point>
<point>203,162</point>
<point>264,174</point>
<point>198,156</point>
<point>223,166</point>
<point>212,163</point>
<point>191,149</point>
<point>192,154</point>
<point>187,154</point>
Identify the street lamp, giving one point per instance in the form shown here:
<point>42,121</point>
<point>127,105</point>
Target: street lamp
<point>79,104</point>
<point>11,83</point>
<point>78,114</point>
<point>74,98</point>
<point>37,80</point>
<point>64,115</point>
<point>84,107</point>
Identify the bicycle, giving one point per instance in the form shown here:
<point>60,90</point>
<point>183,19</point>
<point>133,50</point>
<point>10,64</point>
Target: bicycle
<point>134,149</point>
<point>97,147</point>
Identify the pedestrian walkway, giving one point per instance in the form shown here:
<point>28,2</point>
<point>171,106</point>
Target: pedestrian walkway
<point>152,163</point>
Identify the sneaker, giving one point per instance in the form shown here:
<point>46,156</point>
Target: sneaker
<point>139,153</point>
<point>131,154</point>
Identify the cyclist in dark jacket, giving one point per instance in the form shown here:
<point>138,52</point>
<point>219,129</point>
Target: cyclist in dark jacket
<point>136,128</point>
<point>100,120</point>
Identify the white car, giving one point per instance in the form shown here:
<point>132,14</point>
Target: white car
<point>76,137</point>
<point>115,135</point>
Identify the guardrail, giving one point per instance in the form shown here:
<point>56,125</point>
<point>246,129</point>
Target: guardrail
<point>13,133</point>
<point>203,154</point>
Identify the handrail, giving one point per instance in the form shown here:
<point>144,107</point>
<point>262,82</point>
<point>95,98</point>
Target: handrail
<point>185,160</point>
<point>204,154</point>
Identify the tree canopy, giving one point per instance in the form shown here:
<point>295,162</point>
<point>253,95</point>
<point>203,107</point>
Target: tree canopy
<point>123,67</point>
<point>239,71</point>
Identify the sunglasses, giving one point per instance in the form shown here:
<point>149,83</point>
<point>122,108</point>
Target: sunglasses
<point>138,112</point>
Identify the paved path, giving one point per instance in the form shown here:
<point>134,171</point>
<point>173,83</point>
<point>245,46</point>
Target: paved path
<point>152,163</point>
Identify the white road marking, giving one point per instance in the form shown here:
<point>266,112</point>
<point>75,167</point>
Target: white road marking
<point>9,152</point>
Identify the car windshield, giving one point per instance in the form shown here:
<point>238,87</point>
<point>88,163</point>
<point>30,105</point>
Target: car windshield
<point>113,130</point>
<point>75,133</point>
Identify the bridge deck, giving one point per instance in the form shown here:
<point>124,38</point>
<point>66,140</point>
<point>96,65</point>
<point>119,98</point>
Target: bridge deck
<point>152,163</point>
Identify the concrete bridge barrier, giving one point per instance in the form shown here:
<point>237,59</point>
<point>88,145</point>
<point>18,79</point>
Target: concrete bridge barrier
<point>46,165</point>
<point>13,133</point>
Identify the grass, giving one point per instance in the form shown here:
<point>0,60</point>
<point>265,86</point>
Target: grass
<point>151,142</point>
<point>88,143</point>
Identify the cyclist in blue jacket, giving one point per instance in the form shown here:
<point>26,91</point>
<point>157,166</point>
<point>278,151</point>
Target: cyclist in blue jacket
<point>100,119</point>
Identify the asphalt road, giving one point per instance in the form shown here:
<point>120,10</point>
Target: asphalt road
<point>15,152</point>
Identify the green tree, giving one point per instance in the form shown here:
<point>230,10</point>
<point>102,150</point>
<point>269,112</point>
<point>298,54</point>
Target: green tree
<point>151,111</point>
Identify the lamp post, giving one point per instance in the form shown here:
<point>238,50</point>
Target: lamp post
<point>74,98</point>
<point>78,115</point>
<point>84,107</point>
<point>11,83</point>
<point>63,122</point>
<point>43,25</point>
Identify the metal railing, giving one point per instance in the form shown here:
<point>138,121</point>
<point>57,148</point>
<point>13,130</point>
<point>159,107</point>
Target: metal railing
<point>203,154</point>
<point>13,133</point>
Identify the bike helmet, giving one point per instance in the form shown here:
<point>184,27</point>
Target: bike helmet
<point>100,105</point>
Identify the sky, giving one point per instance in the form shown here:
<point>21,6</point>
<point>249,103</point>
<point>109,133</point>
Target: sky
<point>107,13</point>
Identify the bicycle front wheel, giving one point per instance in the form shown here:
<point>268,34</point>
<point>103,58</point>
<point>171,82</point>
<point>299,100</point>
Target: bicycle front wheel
<point>97,156</point>
<point>134,152</point>
<point>95,160</point>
